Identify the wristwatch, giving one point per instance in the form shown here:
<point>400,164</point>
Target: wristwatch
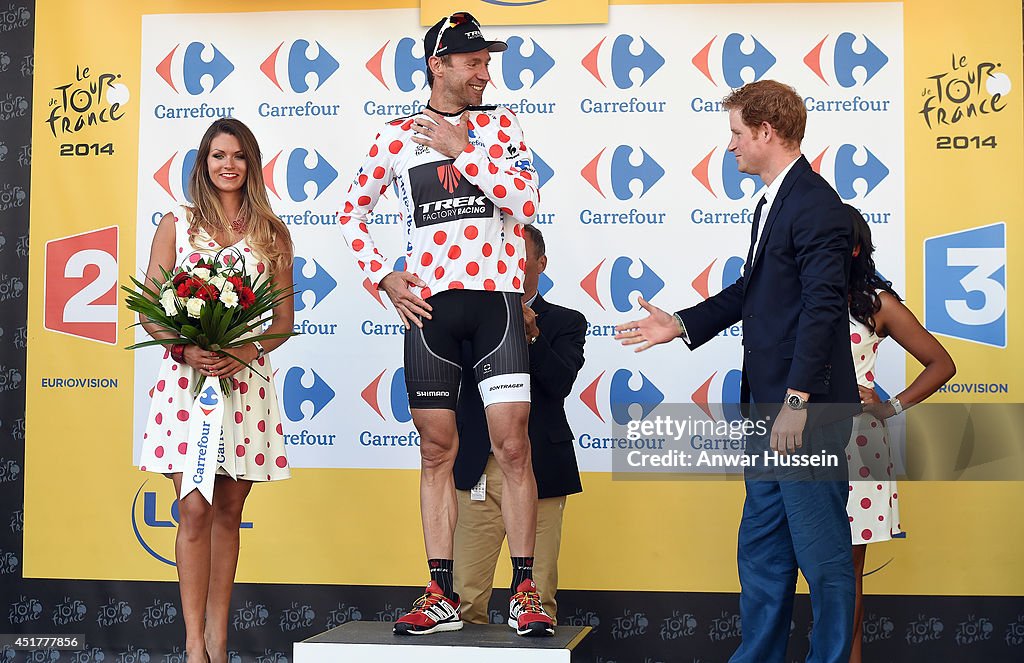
<point>795,402</point>
<point>260,351</point>
<point>897,407</point>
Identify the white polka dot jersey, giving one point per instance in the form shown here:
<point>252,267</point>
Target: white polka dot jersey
<point>463,217</point>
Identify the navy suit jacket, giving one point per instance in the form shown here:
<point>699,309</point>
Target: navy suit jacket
<point>793,302</point>
<point>555,360</point>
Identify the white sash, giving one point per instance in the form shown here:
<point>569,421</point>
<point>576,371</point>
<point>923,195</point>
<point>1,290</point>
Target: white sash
<point>208,442</point>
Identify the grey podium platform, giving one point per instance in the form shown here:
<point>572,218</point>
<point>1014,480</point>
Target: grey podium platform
<point>373,642</point>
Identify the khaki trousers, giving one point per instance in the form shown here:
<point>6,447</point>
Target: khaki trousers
<point>478,538</point>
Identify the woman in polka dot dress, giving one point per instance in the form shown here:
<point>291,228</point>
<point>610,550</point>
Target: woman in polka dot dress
<point>231,210</point>
<point>876,313</point>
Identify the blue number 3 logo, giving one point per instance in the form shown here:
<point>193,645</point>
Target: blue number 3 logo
<point>965,285</point>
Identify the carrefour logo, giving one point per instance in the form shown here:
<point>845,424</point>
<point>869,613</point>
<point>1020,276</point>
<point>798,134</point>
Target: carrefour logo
<point>199,68</point>
<point>296,393</point>
<point>392,398</point>
<point>721,175</point>
<point>617,173</point>
<point>320,283</point>
<point>626,390</point>
<point>544,171</point>
<point>736,60</point>
<point>847,165</point>
<point>154,521</point>
<point>514,63</point>
<point>304,172</point>
<point>621,61</point>
<point>717,276</point>
<point>719,396</point>
<point>399,66</point>
<point>618,284</point>
<point>173,175</point>
<point>848,53</point>
<point>299,66</point>
<point>965,285</point>
<point>209,400</point>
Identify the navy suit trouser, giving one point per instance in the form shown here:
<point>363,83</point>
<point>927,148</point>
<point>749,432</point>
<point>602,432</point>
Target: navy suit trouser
<point>795,518</point>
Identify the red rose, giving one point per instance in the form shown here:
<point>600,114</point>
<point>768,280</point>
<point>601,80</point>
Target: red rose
<point>246,298</point>
<point>180,278</point>
<point>184,290</point>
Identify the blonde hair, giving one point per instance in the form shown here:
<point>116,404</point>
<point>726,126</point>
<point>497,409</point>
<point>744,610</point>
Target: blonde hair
<point>265,232</point>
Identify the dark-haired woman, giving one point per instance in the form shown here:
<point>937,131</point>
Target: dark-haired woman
<point>230,210</point>
<point>876,313</point>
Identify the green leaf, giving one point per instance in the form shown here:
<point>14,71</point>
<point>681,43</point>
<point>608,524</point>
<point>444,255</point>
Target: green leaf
<point>156,341</point>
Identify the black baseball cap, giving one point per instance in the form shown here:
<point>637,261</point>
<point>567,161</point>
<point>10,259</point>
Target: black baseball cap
<point>458,33</point>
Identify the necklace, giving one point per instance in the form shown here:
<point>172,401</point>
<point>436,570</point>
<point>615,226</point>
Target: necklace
<point>238,225</point>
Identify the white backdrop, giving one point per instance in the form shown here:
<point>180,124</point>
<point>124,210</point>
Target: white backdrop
<point>657,157</point>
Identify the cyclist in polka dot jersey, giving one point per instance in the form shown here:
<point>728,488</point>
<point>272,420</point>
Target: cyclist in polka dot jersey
<point>463,206</point>
<point>465,179</point>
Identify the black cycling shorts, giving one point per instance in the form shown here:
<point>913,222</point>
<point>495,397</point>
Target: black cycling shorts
<point>492,322</point>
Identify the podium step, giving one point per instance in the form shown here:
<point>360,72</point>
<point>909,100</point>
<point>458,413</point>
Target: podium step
<point>374,642</point>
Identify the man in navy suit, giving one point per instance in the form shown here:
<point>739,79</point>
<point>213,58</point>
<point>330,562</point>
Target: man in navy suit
<point>556,335</point>
<point>797,372</point>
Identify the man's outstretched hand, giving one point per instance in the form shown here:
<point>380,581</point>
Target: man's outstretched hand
<point>657,328</point>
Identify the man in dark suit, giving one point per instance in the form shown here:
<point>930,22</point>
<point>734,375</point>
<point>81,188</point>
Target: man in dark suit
<point>555,335</point>
<point>792,299</point>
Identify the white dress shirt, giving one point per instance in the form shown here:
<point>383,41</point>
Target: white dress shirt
<point>769,196</point>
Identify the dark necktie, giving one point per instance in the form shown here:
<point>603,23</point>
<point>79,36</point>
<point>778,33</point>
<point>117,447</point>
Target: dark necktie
<point>753,230</point>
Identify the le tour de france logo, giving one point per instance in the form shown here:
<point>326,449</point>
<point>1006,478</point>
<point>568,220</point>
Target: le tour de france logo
<point>92,97</point>
<point>956,99</point>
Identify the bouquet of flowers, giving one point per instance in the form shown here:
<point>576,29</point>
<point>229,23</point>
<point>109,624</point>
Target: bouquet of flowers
<point>211,303</point>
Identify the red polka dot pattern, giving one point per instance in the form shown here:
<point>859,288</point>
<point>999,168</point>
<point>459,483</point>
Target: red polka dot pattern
<point>466,248</point>
<point>873,506</point>
<point>165,439</point>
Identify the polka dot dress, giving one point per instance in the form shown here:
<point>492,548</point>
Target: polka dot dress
<point>872,507</point>
<point>250,410</point>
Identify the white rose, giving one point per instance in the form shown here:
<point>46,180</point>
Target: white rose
<point>229,298</point>
<point>226,286</point>
<point>201,273</point>
<point>169,301</point>
<point>218,282</point>
<point>194,306</point>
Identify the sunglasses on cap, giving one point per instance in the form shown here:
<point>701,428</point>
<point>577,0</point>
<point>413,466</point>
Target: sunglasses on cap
<point>456,19</point>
